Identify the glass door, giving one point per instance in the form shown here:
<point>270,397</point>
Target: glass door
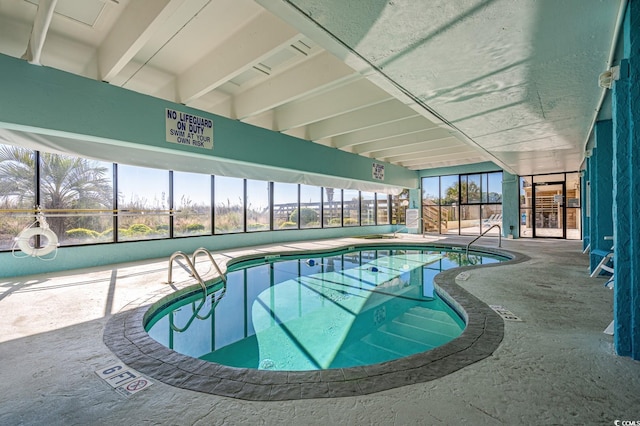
<point>548,210</point>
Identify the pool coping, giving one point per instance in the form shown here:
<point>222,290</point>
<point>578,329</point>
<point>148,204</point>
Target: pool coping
<point>125,335</point>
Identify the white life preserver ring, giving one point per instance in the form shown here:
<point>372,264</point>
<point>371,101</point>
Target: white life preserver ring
<point>23,241</point>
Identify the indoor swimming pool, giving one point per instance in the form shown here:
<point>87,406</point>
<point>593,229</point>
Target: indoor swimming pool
<point>298,312</point>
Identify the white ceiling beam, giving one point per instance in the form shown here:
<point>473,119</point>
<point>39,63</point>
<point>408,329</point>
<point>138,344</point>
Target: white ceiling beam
<point>257,40</point>
<point>308,77</point>
<point>447,142</point>
<point>390,138</point>
<point>384,112</point>
<point>445,163</point>
<point>339,100</point>
<point>41,24</point>
<point>403,140</point>
<point>136,25</point>
<point>429,153</point>
<point>385,131</point>
<point>428,161</point>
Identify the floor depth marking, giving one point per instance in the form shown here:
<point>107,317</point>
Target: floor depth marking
<point>123,379</point>
<point>505,313</point>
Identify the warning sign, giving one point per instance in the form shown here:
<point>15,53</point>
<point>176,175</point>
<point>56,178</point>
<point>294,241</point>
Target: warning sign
<point>134,386</point>
<point>188,129</point>
<point>377,171</point>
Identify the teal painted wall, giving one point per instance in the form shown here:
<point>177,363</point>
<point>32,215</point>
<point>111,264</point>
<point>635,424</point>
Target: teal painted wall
<point>626,191</point>
<point>586,204</point>
<point>510,205</point>
<point>55,101</point>
<point>601,178</point>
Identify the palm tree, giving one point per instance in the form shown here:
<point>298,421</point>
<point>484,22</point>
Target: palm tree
<point>66,182</point>
<point>17,176</point>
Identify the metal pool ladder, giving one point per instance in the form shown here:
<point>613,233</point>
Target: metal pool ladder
<point>192,268</point>
<point>479,236</point>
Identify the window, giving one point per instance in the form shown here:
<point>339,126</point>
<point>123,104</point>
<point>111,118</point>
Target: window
<point>351,207</point>
<point>285,205</point>
<point>143,203</point>
<point>382,209</point>
<point>466,204</point>
<point>228,195</point>
<point>368,208</point>
<point>17,192</point>
<point>191,204</point>
<point>77,196</point>
<point>85,200</point>
<point>258,212</point>
<point>332,207</point>
<point>310,206</point>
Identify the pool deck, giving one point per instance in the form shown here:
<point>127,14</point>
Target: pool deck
<point>556,366</point>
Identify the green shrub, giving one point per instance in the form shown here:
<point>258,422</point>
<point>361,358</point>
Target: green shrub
<point>285,225</point>
<point>257,226</point>
<point>306,215</point>
<point>350,221</point>
<point>162,227</point>
<point>195,227</point>
<point>82,233</point>
<point>139,229</point>
<point>335,221</point>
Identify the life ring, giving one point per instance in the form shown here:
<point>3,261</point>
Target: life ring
<point>23,241</point>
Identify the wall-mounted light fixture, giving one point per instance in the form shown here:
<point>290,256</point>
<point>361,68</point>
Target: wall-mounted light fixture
<point>606,79</point>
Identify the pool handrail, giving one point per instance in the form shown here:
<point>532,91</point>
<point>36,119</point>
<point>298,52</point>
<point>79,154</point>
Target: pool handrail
<point>208,253</point>
<point>192,268</point>
<point>481,235</point>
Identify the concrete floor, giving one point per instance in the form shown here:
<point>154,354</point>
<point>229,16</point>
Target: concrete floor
<point>554,367</point>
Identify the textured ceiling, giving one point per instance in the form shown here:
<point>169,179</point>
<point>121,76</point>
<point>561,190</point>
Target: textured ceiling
<point>420,84</point>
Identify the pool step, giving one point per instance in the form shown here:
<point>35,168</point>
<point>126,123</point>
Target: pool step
<point>417,330</point>
<point>430,321</point>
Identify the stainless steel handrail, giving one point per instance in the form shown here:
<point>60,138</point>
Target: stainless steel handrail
<point>479,236</point>
<point>192,268</point>
<point>208,253</point>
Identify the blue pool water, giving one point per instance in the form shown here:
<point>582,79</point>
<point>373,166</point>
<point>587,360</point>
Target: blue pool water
<point>343,309</point>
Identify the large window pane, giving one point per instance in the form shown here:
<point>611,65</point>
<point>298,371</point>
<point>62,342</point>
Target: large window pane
<point>471,188</point>
<point>400,203</point>
<point>79,194</point>
<point>192,204</point>
<point>17,192</point>
<point>258,212</point>
<point>143,203</point>
<point>430,201</point>
<point>382,207</point>
<point>285,205</point>
<point>310,204</point>
<point>470,219</point>
<point>228,195</point>
<point>526,207</point>
<point>332,207</point>
<point>494,191</point>
<point>449,192</point>
<point>368,208</point>
<point>449,223</point>
<point>573,206</point>
<point>351,211</point>
<point>491,215</point>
